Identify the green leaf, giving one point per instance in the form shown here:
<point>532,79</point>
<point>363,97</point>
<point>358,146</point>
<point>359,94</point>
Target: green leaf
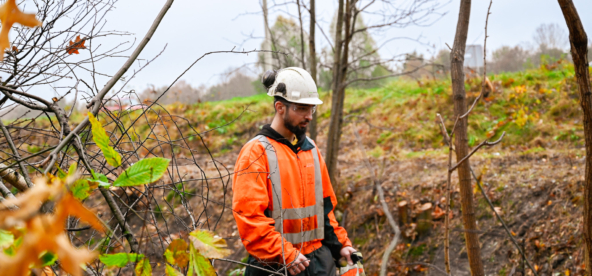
<point>11,250</point>
<point>208,244</point>
<point>61,173</point>
<point>100,179</point>
<point>199,264</point>
<point>143,268</point>
<point>170,271</point>
<point>102,140</point>
<point>120,259</point>
<point>48,258</point>
<point>82,188</point>
<point>6,239</point>
<point>72,169</point>
<point>143,172</point>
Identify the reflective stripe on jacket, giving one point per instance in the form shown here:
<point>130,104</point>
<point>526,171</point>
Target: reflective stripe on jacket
<point>308,219</point>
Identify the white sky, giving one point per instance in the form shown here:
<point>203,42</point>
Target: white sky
<point>192,28</point>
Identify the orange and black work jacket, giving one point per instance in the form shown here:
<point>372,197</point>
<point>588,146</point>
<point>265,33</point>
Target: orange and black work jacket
<point>279,187</point>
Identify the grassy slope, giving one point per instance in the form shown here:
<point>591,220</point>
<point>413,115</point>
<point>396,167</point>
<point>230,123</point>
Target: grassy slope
<point>538,103</point>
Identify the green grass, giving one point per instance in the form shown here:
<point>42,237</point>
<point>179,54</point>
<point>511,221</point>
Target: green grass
<point>533,104</point>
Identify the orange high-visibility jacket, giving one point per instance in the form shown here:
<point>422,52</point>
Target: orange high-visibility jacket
<point>307,220</point>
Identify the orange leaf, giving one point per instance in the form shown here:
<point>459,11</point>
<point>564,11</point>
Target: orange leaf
<point>45,232</point>
<point>10,14</point>
<point>75,45</point>
<point>438,213</point>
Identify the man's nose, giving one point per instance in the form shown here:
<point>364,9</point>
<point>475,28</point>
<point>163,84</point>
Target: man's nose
<point>308,116</point>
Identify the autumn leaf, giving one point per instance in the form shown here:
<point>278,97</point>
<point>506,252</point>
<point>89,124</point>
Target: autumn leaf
<point>82,188</point>
<point>208,244</point>
<point>75,45</point>
<point>143,268</point>
<point>438,213</point>
<point>102,140</point>
<point>10,14</point>
<point>44,235</point>
<point>199,264</point>
<point>170,271</point>
<point>176,253</point>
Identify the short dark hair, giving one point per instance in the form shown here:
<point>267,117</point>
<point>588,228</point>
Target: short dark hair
<point>281,100</point>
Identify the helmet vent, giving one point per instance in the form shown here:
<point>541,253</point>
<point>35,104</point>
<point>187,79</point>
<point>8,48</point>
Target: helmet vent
<point>281,88</point>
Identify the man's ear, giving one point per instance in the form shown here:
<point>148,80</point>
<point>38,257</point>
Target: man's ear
<point>280,107</point>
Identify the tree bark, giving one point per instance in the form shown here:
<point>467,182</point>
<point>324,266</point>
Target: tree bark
<point>579,51</point>
<point>461,141</point>
<point>334,133</point>
<point>312,63</point>
<point>267,58</point>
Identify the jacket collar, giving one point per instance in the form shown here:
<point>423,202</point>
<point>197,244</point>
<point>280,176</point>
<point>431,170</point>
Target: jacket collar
<point>303,143</point>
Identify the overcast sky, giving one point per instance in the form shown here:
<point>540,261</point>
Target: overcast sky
<point>192,28</point>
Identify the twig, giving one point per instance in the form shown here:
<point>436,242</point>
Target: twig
<point>16,155</point>
<point>99,97</point>
<point>448,139</point>
<point>484,64</point>
<point>250,265</point>
<point>7,194</point>
<point>484,143</point>
<point>502,221</point>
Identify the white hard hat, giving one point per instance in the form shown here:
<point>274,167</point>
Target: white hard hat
<point>293,84</point>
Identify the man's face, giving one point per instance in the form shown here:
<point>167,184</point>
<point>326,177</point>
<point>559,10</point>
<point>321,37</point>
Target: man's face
<point>297,117</point>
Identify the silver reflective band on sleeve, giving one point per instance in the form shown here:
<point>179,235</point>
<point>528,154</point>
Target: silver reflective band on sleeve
<point>295,213</point>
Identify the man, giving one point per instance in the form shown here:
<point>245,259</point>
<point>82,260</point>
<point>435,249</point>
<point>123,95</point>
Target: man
<point>283,200</point>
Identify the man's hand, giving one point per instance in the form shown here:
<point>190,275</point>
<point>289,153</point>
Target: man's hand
<point>346,253</point>
<point>299,265</point>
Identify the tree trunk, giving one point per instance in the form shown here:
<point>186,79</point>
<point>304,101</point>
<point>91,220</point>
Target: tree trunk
<point>267,59</point>
<point>461,141</point>
<point>579,51</point>
<point>302,54</point>
<point>312,63</point>
<point>331,153</point>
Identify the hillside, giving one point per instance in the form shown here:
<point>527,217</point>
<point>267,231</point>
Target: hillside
<point>534,176</point>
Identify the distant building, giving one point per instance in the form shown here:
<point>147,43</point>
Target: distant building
<point>474,56</point>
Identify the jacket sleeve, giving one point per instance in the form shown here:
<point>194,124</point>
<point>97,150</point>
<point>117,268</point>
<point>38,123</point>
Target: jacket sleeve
<point>250,200</point>
<point>335,235</point>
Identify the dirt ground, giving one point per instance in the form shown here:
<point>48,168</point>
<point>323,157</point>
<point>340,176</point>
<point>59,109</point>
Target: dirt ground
<point>538,193</point>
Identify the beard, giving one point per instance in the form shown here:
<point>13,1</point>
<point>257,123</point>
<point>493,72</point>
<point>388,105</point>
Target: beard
<point>295,127</point>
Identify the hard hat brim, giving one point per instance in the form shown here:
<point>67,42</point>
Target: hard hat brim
<point>310,101</point>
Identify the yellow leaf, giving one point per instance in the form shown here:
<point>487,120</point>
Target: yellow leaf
<point>143,268</point>
<point>208,244</point>
<point>10,14</point>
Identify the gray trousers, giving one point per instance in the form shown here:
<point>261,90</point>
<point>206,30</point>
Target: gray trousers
<point>321,264</point>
